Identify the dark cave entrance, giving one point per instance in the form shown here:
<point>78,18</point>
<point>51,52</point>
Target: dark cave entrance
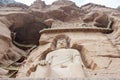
<point>27,35</point>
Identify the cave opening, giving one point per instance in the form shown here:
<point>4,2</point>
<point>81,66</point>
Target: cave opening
<point>27,35</point>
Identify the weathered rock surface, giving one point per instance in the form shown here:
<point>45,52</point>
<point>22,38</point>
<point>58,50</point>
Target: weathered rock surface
<point>99,19</point>
<point>38,4</point>
<point>21,5</point>
<point>9,54</point>
<point>24,22</point>
<point>87,27</point>
<point>57,10</point>
<point>64,3</point>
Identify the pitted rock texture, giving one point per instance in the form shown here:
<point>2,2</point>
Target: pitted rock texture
<point>21,25</point>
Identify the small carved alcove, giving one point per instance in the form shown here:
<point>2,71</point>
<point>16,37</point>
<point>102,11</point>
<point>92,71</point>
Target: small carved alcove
<point>80,49</point>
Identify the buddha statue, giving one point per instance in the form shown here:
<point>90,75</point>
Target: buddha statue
<point>62,62</point>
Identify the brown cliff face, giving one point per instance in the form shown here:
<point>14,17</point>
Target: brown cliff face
<point>38,4</point>
<point>95,7</point>
<point>64,3</point>
<point>26,27</point>
<point>17,5</point>
<point>22,24</point>
<point>91,9</point>
<point>63,10</point>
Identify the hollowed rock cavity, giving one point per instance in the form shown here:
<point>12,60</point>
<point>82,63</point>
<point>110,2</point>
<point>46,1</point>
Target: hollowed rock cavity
<point>25,33</point>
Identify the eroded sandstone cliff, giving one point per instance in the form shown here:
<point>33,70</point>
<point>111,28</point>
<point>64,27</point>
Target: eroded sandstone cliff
<point>22,31</point>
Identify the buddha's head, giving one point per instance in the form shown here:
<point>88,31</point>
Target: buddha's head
<point>61,41</point>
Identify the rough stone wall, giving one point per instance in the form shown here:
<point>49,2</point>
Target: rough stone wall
<point>100,52</point>
<point>9,54</point>
<point>99,55</point>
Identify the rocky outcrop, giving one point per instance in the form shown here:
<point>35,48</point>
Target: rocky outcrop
<point>10,55</point>
<point>58,10</point>
<point>64,3</point>
<point>21,25</point>
<point>38,4</point>
<point>90,7</point>
<point>99,19</point>
<point>21,5</point>
<point>49,22</point>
